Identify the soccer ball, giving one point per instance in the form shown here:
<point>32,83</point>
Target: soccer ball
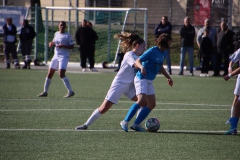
<point>152,125</point>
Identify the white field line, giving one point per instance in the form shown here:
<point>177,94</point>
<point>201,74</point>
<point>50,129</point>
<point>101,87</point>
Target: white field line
<point>128,102</point>
<point>29,110</point>
<point>73,130</point>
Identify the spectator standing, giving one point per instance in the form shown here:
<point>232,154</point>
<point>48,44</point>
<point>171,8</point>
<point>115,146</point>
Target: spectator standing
<point>212,36</point>
<point>165,27</point>
<point>62,42</point>
<point>224,48</point>
<point>85,37</point>
<point>9,40</point>
<point>205,53</point>
<point>236,39</point>
<point>26,38</point>
<point>187,33</point>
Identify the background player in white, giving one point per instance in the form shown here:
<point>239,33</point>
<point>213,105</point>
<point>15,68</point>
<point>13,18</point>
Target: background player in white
<point>133,46</point>
<point>235,110</point>
<point>149,64</point>
<point>63,42</point>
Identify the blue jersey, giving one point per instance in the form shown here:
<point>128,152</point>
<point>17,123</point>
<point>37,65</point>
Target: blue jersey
<point>152,60</point>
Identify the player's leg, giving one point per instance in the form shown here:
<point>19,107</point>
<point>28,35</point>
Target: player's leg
<point>114,93</point>
<point>63,62</point>
<point>51,70</point>
<point>105,106</point>
<point>234,120</point>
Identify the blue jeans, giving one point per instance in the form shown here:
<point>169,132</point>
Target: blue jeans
<point>168,61</point>
<point>184,50</point>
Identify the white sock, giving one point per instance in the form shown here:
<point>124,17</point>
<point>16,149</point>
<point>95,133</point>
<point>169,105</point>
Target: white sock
<point>95,115</point>
<point>67,84</point>
<point>232,111</point>
<point>47,84</point>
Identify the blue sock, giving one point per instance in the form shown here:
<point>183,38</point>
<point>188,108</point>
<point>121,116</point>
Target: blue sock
<point>234,122</point>
<point>142,115</point>
<point>131,112</point>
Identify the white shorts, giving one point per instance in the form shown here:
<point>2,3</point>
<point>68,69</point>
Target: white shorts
<point>59,62</point>
<point>143,86</point>
<point>117,89</point>
<point>237,87</point>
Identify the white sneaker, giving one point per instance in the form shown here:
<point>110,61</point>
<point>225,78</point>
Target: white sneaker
<point>84,70</point>
<point>203,75</point>
<point>93,70</point>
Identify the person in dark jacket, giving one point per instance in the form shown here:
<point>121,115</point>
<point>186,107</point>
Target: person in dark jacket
<point>187,33</point>
<point>26,38</point>
<point>165,27</point>
<point>236,39</point>
<point>9,40</point>
<point>224,48</point>
<point>206,48</point>
<point>85,37</point>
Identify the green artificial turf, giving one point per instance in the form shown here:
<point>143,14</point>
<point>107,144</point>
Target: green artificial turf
<point>192,115</point>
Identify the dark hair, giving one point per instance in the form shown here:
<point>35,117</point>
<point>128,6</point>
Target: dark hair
<point>129,40</point>
<point>163,39</point>
<point>63,22</point>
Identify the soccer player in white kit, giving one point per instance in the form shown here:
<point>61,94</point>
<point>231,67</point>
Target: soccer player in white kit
<point>149,64</point>
<point>62,42</point>
<point>235,110</point>
<point>133,47</point>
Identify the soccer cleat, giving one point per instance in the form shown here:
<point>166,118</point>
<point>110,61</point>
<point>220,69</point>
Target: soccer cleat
<point>93,70</point>
<point>231,132</point>
<point>69,94</point>
<point>191,74</point>
<point>137,128</point>
<point>43,94</point>
<point>82,127</point>
<point>84,70</point>
<point>124,125</point>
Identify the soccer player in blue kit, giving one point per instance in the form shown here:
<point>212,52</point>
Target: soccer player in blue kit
<point>149,65</point>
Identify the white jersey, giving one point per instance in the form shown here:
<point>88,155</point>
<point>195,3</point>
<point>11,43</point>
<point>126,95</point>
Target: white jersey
<point>62,38</point>
<point>235,57</point>
<point>127,71</point>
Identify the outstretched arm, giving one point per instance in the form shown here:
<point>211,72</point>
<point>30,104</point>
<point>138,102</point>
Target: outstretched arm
<point>163,71</point>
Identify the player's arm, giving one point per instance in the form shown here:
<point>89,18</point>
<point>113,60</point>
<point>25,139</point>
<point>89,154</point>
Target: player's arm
<point>235,72</point>
<point>51,44</point>
<point>163,71</point>
<point>66,46</point>
<point>230,66</point>
<point>139,65</point>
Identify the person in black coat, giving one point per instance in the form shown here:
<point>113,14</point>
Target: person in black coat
<point>224,48</point>
<point>9,40</point>
<point>187,33</point>
<point>206,48</point>
<point>165,27</point>
<point>86,37</point>
<point>26,38</point>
